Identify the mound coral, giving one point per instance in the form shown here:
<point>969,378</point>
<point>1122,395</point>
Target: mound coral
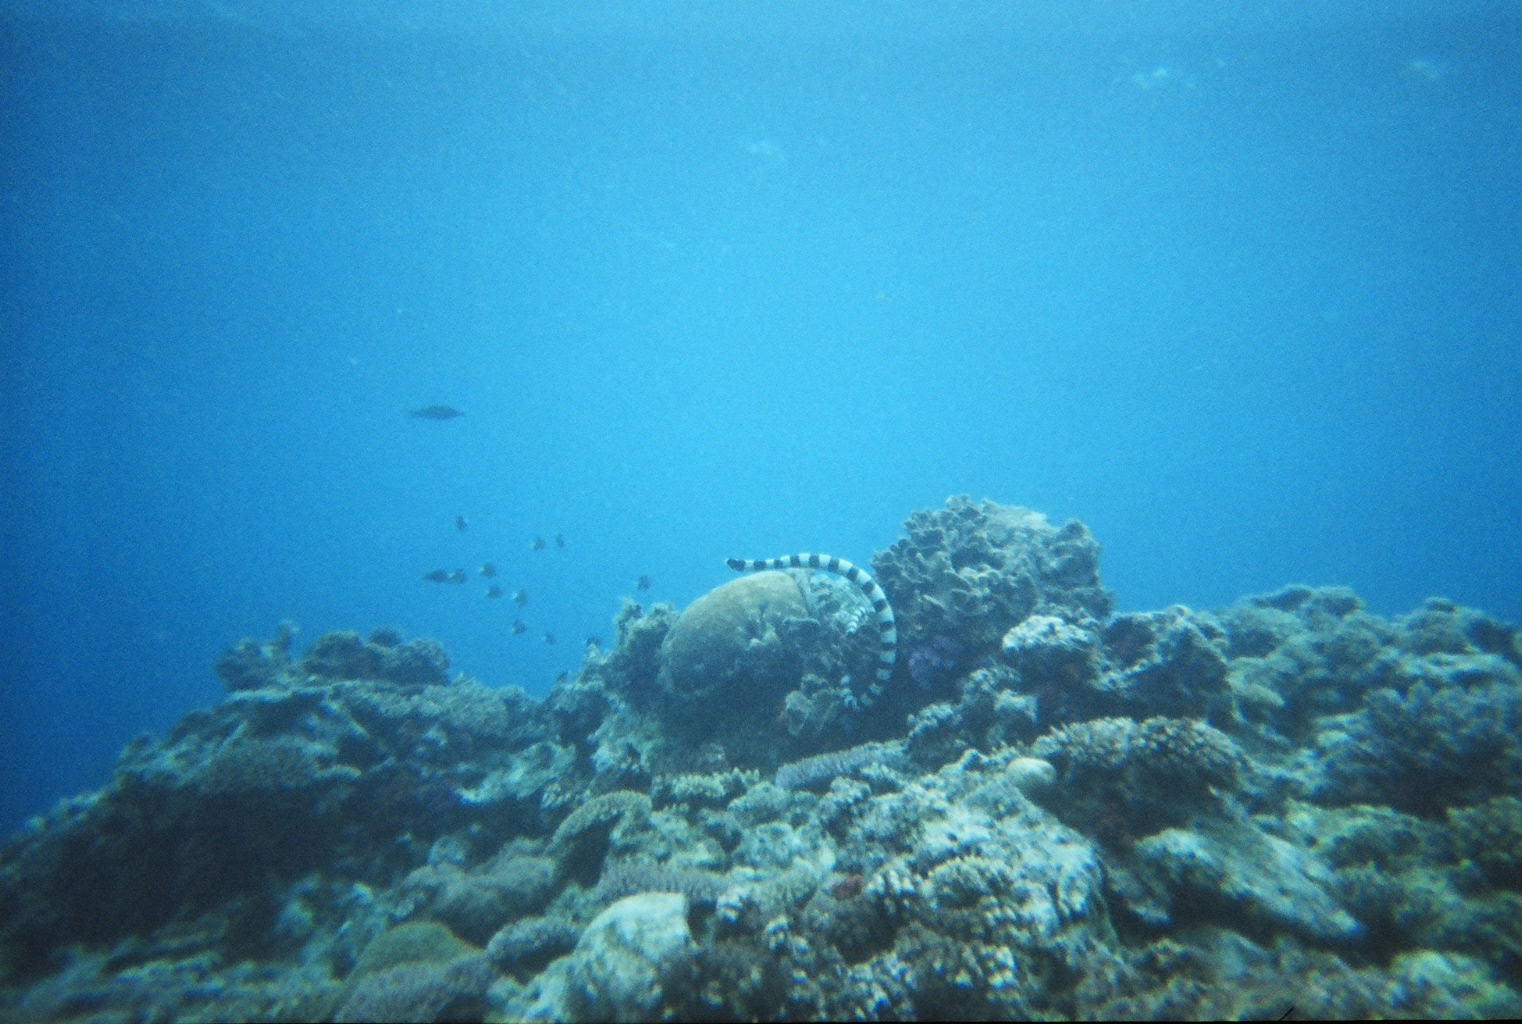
<point>726,647</point>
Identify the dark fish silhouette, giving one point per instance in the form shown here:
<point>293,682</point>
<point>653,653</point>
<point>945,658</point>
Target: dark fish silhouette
<point>457,576</point>
<point>435,412</point>
<point>537,544</point>
<point>460,524</point>
<point>520,598</point>
<point>489,570</point>
<point>643,583</point>
<point>560,540</point>
<point>493,591</point>
<point>437,576</point>
<point>549,638</point>
<point>519,627</point>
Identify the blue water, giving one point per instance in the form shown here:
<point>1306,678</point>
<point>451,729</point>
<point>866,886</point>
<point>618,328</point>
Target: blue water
<point>1237,284</point>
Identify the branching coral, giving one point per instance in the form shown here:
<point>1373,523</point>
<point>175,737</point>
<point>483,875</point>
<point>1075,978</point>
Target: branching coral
<point>973,570</point>
<point>1429,747</point>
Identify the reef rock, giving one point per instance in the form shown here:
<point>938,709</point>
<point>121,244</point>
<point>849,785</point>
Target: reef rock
<point>1234,872</point>
<point>623,965</point>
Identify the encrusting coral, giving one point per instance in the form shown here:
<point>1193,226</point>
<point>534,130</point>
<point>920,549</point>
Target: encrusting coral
<point>1287,806</point>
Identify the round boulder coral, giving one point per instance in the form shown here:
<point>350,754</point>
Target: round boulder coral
<point>727,644</point>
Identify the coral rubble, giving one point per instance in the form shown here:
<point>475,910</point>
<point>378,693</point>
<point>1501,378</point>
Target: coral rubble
<point>1285,807</point>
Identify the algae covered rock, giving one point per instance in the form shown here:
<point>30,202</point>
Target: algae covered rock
<point>626,965</point>
<point>1234,872</point>
<point>727,645</point>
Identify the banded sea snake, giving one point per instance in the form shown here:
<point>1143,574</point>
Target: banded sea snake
<point>886,629</point>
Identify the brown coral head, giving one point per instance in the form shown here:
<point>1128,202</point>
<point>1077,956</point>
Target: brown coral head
<point>726,644</point>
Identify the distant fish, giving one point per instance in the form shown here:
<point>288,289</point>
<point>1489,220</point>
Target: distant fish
<point>493,591</point>
<point>519,627</point>
<point>460,524</point>
<point>537,544</point>
<point>520,598</point>
<point>643,583</point>
<point>549,638</point>
<point>560,540</point>
<point>437,576</point>
<point>457,576</point>
<point>564,677</point>
<point>488,569</point>
<point>435,412</point>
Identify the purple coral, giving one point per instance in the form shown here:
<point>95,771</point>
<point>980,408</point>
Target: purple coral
<point>936,660</point>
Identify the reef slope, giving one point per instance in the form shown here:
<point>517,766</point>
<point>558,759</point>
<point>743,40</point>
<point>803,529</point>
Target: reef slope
<point>1287,806</point>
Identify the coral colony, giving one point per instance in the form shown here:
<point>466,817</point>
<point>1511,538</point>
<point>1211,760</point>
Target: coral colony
<point>1286,807</point>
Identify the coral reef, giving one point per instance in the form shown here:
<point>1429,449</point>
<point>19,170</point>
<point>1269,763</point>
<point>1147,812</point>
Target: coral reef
<point>1290,806</point>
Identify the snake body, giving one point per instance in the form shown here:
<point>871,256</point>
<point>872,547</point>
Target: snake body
<point>887,630</point>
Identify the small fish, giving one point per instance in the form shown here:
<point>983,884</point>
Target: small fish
<point>520,598</point>
<point>460,524</point>
<point>519,627</point>
<point>457,576</point>
<point>643,583</point>
<point>493,591</point>
<point>437,576</point>
<point>549,638</point>
<point>537,544</point>
<point>435,412</point>
<point>488,569</point>
<point>564,677</point>
<point>560,540</point>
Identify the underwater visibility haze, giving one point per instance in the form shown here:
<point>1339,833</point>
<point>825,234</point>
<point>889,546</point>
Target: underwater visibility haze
<point>388,385</point>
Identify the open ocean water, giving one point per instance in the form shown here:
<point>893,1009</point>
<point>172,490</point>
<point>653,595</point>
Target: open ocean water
<point>1235,284</point>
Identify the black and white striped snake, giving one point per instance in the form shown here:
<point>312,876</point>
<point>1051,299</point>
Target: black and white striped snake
<point>886,629</point>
